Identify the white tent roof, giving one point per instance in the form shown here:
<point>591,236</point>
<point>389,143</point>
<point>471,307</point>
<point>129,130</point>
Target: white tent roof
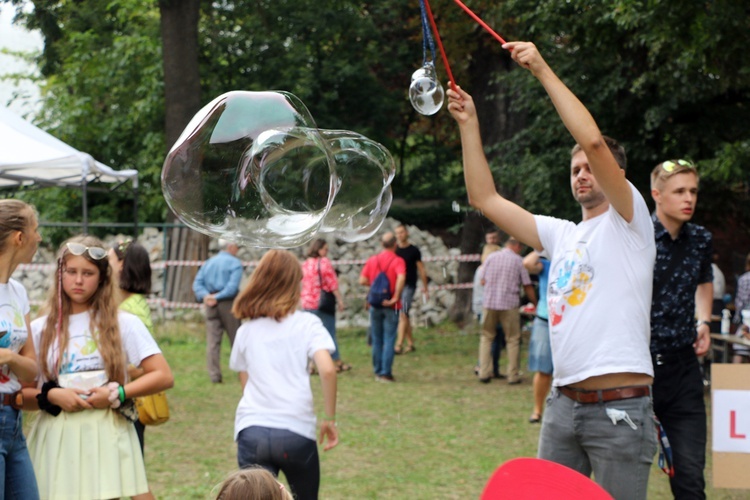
<point>30,156</point>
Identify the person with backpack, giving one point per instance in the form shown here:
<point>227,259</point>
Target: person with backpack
<point>385,274</point>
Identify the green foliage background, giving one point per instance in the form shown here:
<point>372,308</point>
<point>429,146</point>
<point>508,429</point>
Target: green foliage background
<point>667,78</point>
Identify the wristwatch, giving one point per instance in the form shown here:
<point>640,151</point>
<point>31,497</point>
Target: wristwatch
<point>704,322</point>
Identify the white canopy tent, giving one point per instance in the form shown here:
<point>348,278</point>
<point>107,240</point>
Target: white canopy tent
<point>30,157</point>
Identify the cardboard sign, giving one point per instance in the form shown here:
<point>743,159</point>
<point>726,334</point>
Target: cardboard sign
<point>730,414</point>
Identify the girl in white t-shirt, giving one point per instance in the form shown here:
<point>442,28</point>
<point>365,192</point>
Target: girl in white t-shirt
<point>275,422</point>
<point>83,445</point>
<point>18,243</point>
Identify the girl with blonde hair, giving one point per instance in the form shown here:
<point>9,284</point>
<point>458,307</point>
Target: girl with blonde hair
<point>83,444</point>
<point>254,483</point>
<point>275,422</point>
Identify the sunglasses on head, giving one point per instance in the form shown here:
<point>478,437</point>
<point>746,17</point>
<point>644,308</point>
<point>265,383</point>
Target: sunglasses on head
<point>670,165</point>
<point>96,253</point>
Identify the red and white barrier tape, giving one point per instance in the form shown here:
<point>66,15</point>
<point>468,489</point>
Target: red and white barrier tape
<point>473,257</point>
<point>253,263</point>
<point>165,304</point>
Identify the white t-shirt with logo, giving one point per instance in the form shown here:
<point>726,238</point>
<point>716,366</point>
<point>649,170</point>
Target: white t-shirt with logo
<point>599,293</point>
<point>14,306</point>
<point>274,354</point>
<point>82,353</point>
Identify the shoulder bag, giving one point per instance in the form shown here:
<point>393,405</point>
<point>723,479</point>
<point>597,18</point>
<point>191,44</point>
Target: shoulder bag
<point>327,301</point>
<point>153,409</point>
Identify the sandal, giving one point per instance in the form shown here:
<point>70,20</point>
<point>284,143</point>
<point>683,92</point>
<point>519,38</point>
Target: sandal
<point>343,367</point>
<point>535,418</point>
<point>397,350</point>
<point>410,348</point>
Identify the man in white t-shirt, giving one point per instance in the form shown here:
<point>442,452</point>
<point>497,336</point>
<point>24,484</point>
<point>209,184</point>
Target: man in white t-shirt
<point>599,417</point>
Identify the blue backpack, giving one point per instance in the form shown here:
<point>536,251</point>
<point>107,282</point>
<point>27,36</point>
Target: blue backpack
<point>380,289</point>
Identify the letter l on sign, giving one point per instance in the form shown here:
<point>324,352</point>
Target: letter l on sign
<point>733,426</point>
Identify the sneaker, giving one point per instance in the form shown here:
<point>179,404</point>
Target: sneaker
<point>386,378</point>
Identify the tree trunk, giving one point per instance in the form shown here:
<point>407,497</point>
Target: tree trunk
<point>182,99</point>
<point>497,123</point>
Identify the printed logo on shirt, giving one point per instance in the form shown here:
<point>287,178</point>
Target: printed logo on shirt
<point>13,333</point>
<point>82,354</point>
<point>570,281</point>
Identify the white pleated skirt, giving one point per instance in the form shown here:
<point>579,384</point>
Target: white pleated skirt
<point>93,454</point>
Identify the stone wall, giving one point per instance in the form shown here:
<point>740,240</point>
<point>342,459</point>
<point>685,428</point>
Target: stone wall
<point>424,313</point>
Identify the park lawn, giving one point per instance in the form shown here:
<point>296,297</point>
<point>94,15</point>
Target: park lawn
<point>435,433</point>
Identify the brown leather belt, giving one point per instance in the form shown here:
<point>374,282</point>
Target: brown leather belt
<point>14,400</point>
<point>604,395</point>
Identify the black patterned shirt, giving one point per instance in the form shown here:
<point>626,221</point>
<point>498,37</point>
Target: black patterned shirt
<point>673,299</point>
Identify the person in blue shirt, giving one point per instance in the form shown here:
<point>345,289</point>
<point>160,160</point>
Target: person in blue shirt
<point>540,351</point>
<point>216,285</point>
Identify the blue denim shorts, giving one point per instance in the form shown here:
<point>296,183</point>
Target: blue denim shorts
<point>540,352</point>
<point>407,298</point>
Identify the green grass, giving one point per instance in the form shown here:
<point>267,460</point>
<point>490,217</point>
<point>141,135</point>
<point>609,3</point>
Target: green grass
<point>434,434</point>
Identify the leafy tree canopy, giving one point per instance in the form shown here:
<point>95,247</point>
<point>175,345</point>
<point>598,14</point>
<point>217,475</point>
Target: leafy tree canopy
<point>666,78</point>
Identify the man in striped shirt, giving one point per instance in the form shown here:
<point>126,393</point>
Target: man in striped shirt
<point>502,275</point>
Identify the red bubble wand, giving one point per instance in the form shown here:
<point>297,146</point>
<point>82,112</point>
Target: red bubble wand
<point>480,22</point>
<point>440,42</point>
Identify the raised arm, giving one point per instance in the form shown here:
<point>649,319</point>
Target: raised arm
<point>581,126</point>
<point>480,185</point>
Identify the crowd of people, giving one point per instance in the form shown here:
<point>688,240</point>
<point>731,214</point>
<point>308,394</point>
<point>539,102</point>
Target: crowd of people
<point>626,301</point>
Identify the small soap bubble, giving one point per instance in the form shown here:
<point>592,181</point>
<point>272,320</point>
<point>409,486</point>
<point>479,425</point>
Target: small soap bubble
<point>253,168</point>
<point>425,92</point>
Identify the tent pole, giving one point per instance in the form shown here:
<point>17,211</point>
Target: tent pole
<point>135,213</point>
<point>85,207</point>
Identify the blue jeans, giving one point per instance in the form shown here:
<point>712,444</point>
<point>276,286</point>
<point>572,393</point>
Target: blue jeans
<point>329,322</point>
<point>584,438</point>
<point>282,450</point>
<point>17,478</point>
<point>383,327</point>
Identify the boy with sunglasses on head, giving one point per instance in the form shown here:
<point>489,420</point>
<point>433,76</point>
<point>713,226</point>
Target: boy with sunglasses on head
<point>682,294</point>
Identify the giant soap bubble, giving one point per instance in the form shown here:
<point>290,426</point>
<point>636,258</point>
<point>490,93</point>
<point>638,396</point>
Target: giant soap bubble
<point>252,167</point>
